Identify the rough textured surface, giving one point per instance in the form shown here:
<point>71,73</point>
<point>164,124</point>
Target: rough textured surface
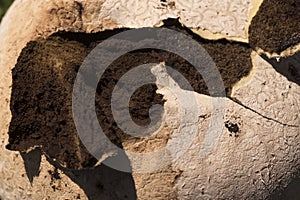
<point>270,102</point>
<point>230,18</point>
<point>235,169</point>
<point>276,144</point>
<point>264,154</point>
<point>15,184</point>
<point>276,26</point>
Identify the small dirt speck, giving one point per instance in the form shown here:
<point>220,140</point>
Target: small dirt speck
<point>232,127</point>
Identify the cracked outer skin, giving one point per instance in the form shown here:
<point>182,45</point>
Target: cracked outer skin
<point>251,164</point>
<point>263,157</point>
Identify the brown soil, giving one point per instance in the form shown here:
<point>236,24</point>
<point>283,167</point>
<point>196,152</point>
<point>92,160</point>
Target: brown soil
<point>41,100</point>
<point>276,26</point>
<point>42,89</point>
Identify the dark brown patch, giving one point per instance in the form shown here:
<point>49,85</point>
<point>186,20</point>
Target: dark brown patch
<point>41,99</point>
<point>276,26</point>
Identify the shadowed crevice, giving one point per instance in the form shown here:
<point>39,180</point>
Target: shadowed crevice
<point>287,66</point>
<point>101,182</point>
<point>32,163</point>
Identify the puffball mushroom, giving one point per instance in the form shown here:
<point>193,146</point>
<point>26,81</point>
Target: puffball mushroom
<point>41,53</point>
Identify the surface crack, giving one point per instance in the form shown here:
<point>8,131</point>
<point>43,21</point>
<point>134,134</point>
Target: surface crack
<point>258,113</point>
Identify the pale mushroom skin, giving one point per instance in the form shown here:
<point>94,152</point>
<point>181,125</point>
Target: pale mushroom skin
<point>262,158</point>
